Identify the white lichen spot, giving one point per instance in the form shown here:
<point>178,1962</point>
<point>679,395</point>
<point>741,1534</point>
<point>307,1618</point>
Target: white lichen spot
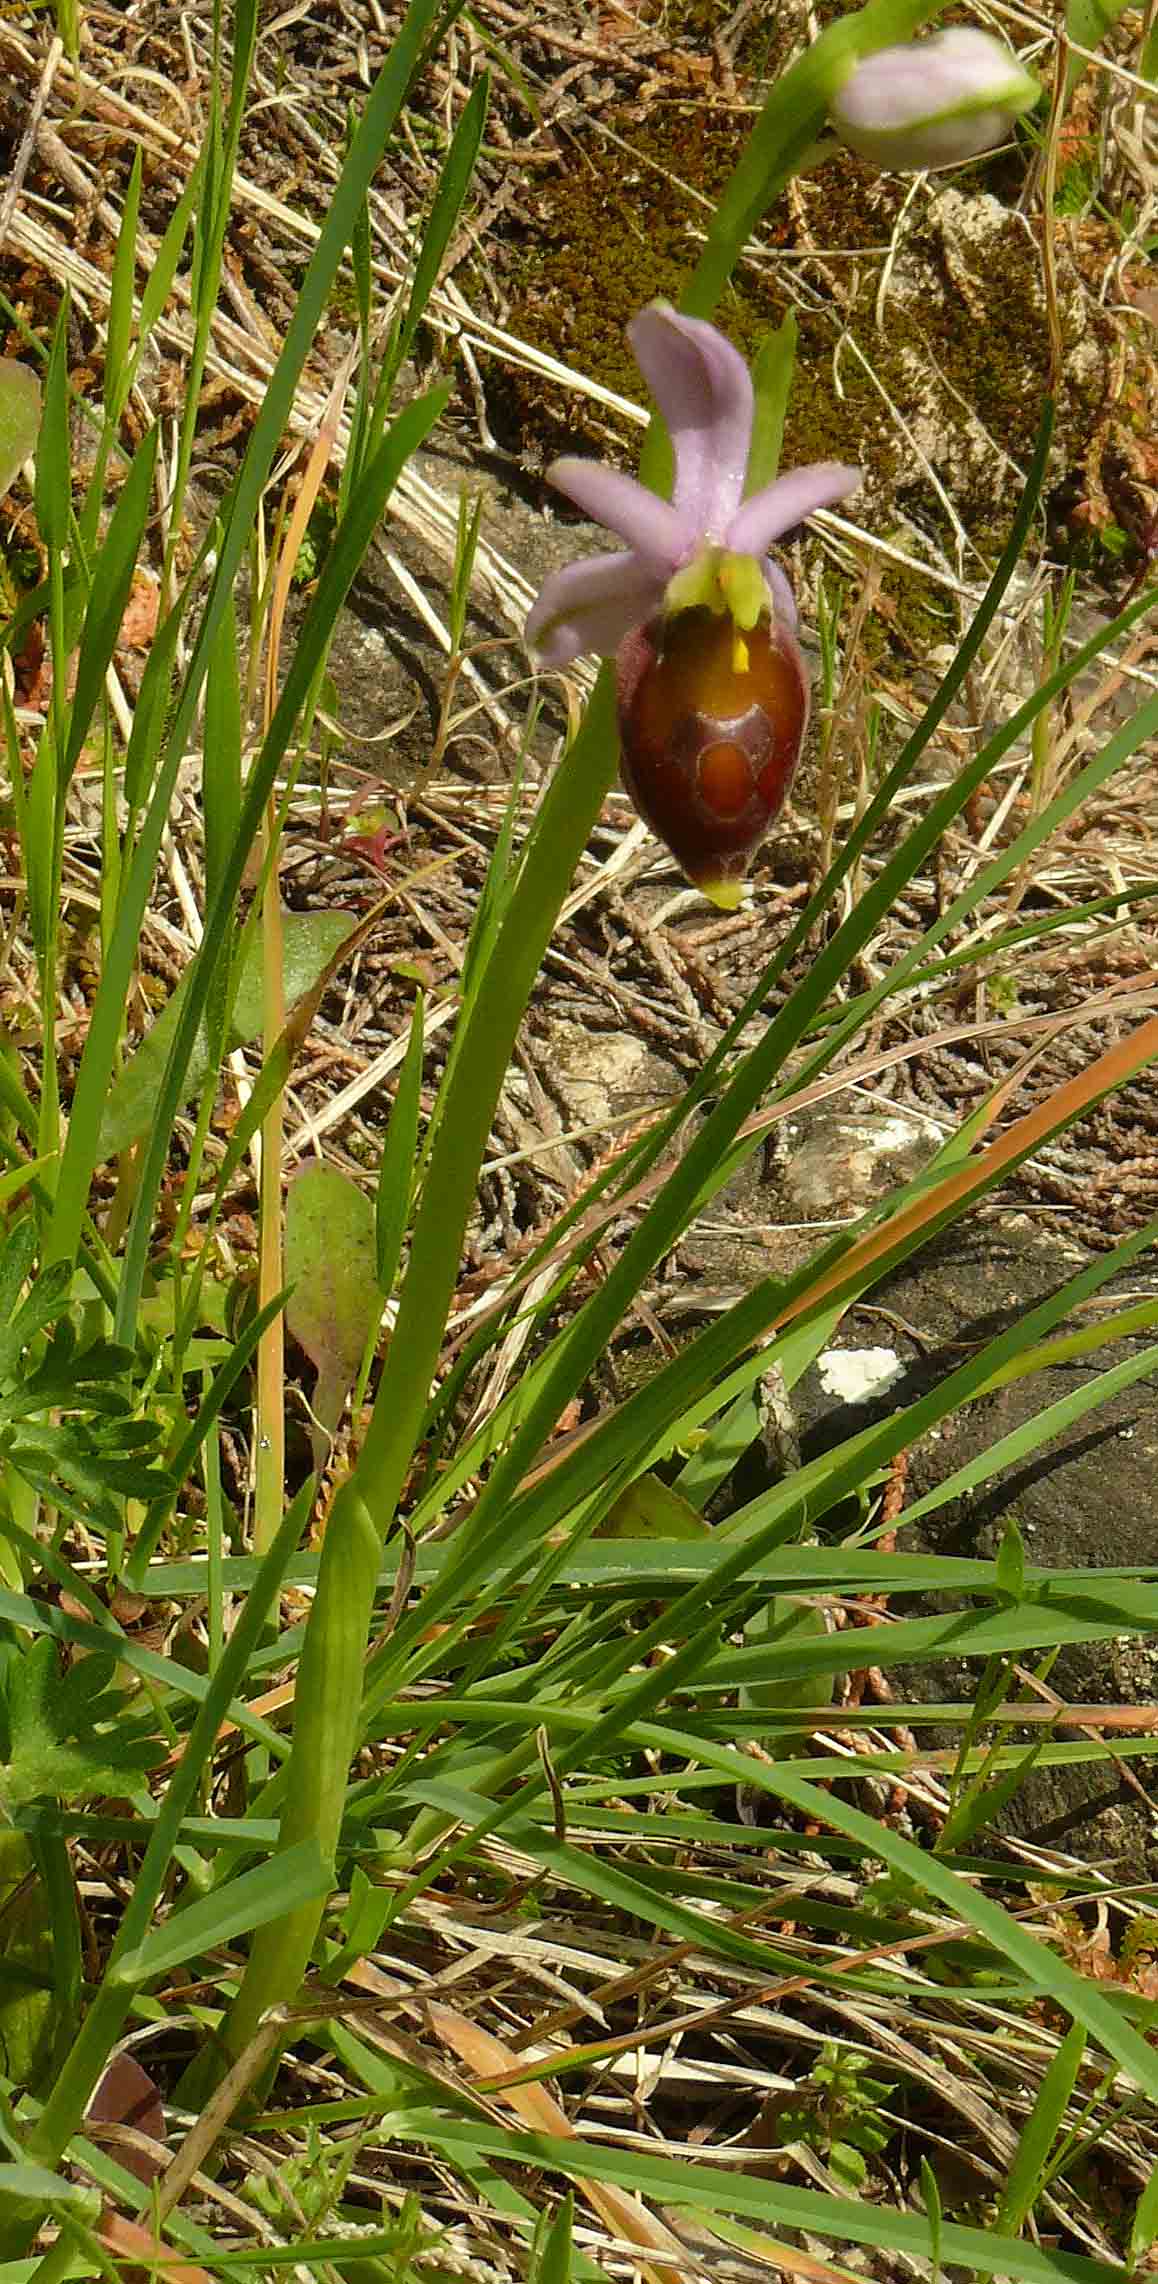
<point>852,1375</point>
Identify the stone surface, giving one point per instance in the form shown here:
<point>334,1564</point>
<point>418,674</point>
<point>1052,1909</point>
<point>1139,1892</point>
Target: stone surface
<point>835,1162</point>
<point>1087,1500</point>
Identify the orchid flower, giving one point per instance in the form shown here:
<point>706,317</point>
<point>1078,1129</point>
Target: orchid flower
<point>712,687</point>
<point>934,102</point>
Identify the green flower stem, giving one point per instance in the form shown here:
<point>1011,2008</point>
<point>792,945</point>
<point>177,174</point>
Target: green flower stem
<point>783,143</point>
<point>568,812</point>
<point>793,117</point>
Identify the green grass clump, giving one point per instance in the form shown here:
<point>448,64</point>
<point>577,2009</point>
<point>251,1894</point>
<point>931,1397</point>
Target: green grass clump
<point>369,1808</point>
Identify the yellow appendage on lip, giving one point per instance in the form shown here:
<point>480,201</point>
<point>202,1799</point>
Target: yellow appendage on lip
<point>728,585</point>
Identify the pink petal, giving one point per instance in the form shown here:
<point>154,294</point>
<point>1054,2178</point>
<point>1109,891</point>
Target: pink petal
<point>592,606</point>
<point>772,512</point>
<point>704,390</point>
<point>651,527</point>
<point>784,600</point>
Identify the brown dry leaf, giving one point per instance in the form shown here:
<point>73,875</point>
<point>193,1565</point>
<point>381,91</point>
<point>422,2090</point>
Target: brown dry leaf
<point>1083,1948</point>
<point>695,69</point>
<point>127,2096</point>
<point>136,2244</point>
<point>788,2259</point>
<point>139,623</point>
<point>127,1608</point>
<point>33,669</point>
<point>538,2110</point>
<point>1145,299</point>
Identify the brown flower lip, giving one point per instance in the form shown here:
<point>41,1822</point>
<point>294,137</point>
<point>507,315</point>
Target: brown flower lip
<point>711,727</point>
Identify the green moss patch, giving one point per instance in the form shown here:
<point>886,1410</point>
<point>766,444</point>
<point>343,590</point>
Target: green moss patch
<point>961,351</point>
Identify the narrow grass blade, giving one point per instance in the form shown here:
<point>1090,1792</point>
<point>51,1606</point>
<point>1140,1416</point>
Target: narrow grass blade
<point>221,761</point>
<point>153,711</point>
<point>112,579</point>
<point>327,1705</point>
<point>794,114</point>
<point>551,2261</point>
<point>1043,1428</point>
<point>399,1158</point>
<point>453,184</point>
<point>209,1410</point>
<point>159,282</point>
<point>571,803</point>
<point>1144,2227</point>
<point>1027,2172</point>
<point>1043,1969</point>
<point>52,491</point>
<point>704,2188</point>
<point>296,1876</point>
<point>119,324</point>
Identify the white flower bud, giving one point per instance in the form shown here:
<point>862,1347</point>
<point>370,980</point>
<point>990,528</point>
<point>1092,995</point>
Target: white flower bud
<point>934,102</point>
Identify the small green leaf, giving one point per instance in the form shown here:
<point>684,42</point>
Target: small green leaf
<point>1087,24</point>
<point>63,1735</point>
<point>786,1624</point>
<point>932,2200</point>
<point>982,1803</point>
<point>649,1509</point>
<point>772,370</point>
<point>26,1961</point>
<point>39,1308</point>
<point>19,418</point>
<point>465,550</point>
<point>331,1267</point>
<point>17,1255</point>
<point>847,2165</point>
<point>18,1177</point>
<point>310,942</point>
<point>34,2184</point>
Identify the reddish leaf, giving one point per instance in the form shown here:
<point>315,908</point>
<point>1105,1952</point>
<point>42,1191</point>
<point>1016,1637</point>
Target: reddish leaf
<point>127,2096</point>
